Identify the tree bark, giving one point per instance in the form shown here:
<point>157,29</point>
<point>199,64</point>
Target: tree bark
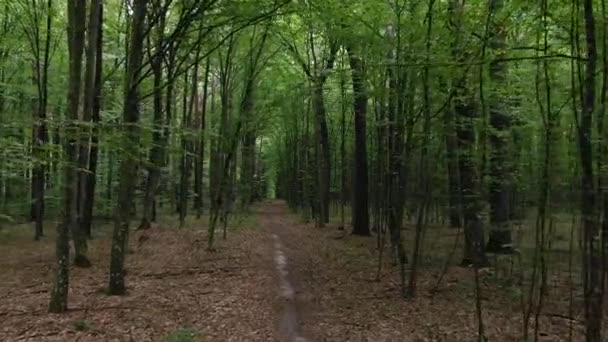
<point>90,105</point>
<point>185,160</point>
<point>324,161</point>
<point>200,161</point>
<point>465,112</point>
<point>593,293</point>
<point>40,134</point>
<point>129,164</point>
<point>160,136</point>
<point>453,172</point>
<point>360,194</point>
<point>76,28</point>
<point>500,122</point>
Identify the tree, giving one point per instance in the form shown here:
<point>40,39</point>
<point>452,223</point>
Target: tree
<point>360,200</point>
<point>128,166</point>
<point>59,295</point>
<point>500,122</point>
<point>592,260</point>
<point>39,39</point>
<point>91,107</point>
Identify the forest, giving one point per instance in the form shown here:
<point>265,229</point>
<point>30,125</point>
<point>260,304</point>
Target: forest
<point>303,170</point>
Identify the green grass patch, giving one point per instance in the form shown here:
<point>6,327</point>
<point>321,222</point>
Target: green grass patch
<point>83,325</point>
<point>183,335</point>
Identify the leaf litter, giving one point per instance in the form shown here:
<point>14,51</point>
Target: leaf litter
<point>173,283</point>
<point>233,294</point>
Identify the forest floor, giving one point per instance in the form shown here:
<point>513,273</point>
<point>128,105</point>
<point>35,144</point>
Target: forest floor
<point>273,279</point>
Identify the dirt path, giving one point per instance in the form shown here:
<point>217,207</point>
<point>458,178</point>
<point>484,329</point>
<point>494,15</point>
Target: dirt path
<point>273,216</point>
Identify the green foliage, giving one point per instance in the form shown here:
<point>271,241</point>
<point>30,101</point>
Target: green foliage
<point>183,335</point>
<point>83,325</point>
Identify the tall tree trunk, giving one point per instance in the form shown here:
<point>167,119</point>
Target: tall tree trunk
<point>76,28</point>
<point>221,141</point>
<point>78,235</point>
<point>249,138</point>
<point>343,166</point>
<point>453,172</point>
<point>360,191</point>
<point>40,132</point>
<point>129,164</point>
<point>474,246</point>
<point>248,151</point>
<point>324,160</point>
<point>591,250</point>
<point>425,171</point>
<point>89,106</point>
<point>200,161</point>
<point>184,163</point>
<point>500,122</point>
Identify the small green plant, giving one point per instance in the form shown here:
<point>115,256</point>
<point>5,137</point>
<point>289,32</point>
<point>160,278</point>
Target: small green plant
<point>183,335</point>
<point>82,325</point>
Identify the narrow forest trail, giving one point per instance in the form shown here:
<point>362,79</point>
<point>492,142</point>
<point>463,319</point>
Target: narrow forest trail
<point>273,216</point>
<point>273,279</point>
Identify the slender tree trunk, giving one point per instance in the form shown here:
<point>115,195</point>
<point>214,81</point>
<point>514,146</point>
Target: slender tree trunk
<point>474,246</point>
<point>324,161</point>
<point>249,138</point>
<point>360,194</point>
<point>76,28</point>
<point>40,136</point>
<point>200,161</point>
<point>90,94</point>
<point>424,162</point>
<point>591,251</point>
<point>248,151</point>
<point>453,172</point>
<point>343,166</point>
<point>184,163</point>
<point>128,165</point>
<point>500,122</point>
<point>222,141</point>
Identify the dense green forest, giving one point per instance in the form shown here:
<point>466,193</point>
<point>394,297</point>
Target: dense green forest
<point>446,133</point>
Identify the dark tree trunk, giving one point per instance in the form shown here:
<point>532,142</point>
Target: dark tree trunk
<point>343,166</point>
<point>360,194</point>
<point>76,28</point>
<point>465,115</point>
<point>90,105</point>
<point>474,249</point>
<point>156,156</point>
<point>222,141</point>
<point>248,151</point>
<point>40,131</point>
<point>128,165</point>
<point>592,264</point>
<point>185,160</point>
<point>160,136</point>
<point>396,178</point>
<point>78,235</point>
<point>453,172</point>
<point>200,161</point>
<point>452,149</point>
<point>425,172</point>
<point>324,160</point>
<point>500,122</point>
